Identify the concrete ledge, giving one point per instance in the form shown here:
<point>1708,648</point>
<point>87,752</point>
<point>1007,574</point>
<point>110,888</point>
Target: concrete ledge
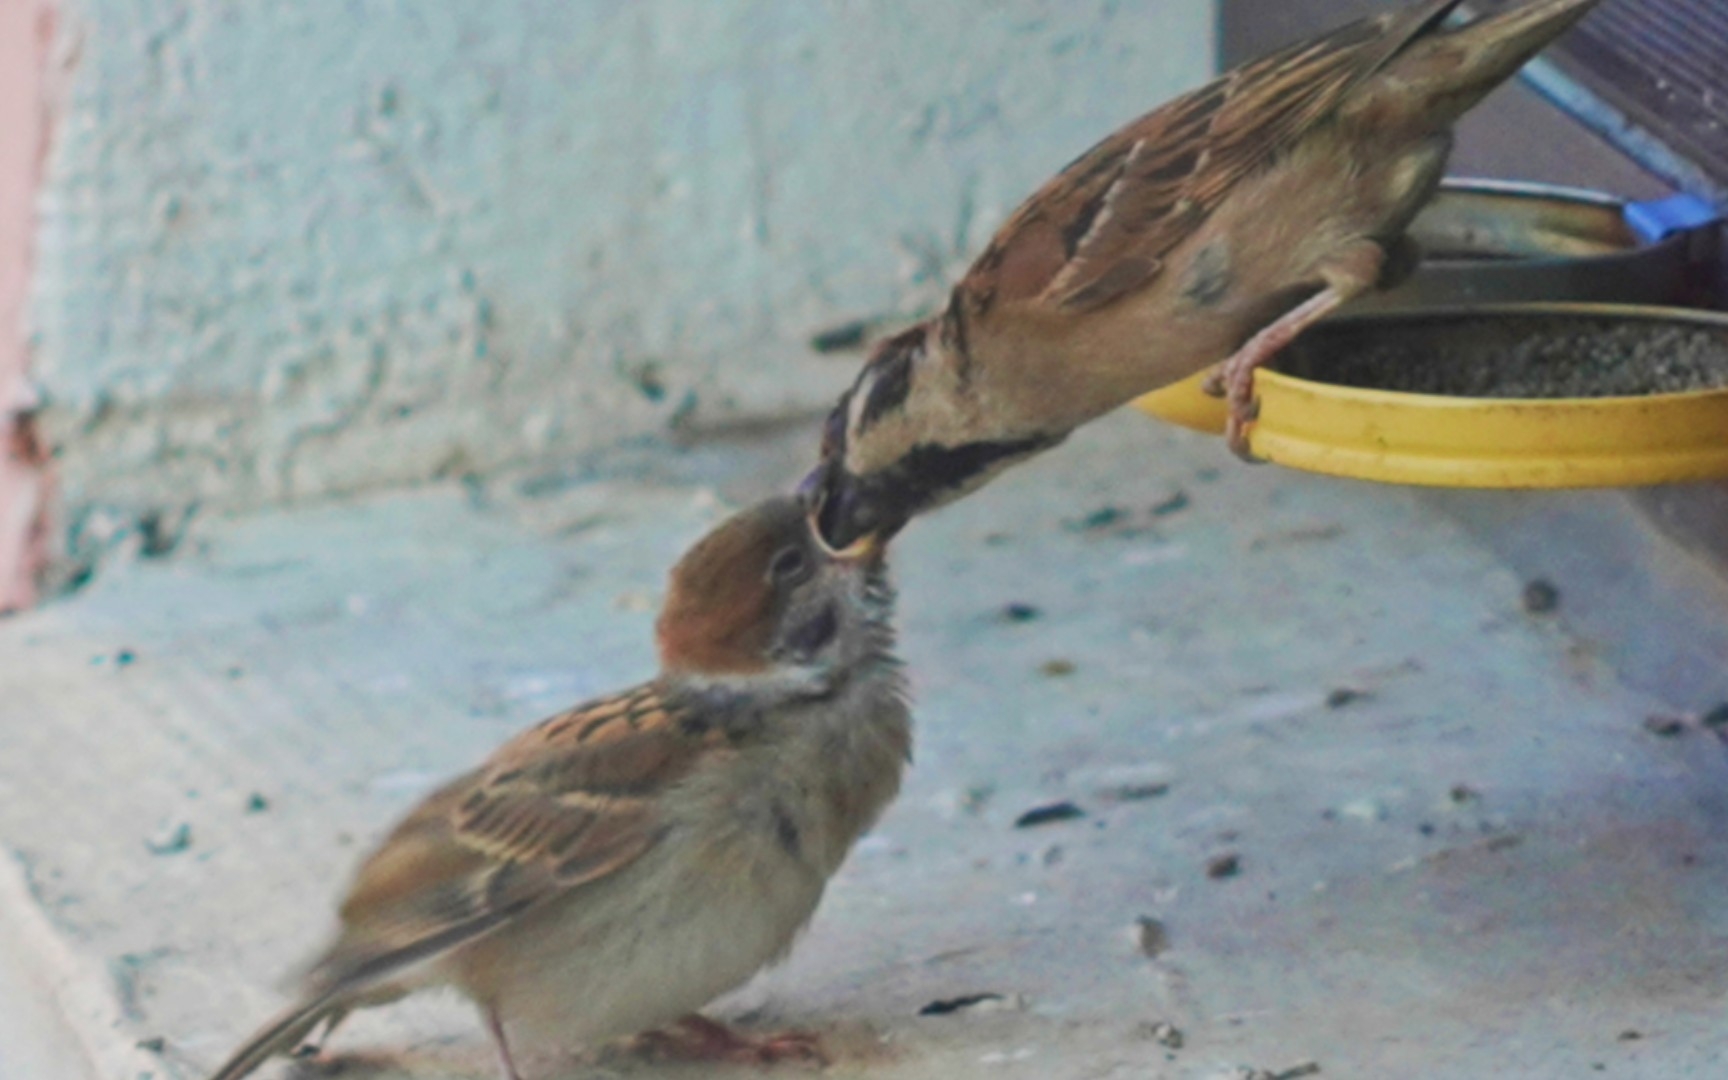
<point>48,1003</point>
<point>1458,852</point>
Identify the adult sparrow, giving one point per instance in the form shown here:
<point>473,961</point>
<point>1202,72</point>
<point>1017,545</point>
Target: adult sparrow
<point>1215,228</point>
<point>620,865</point>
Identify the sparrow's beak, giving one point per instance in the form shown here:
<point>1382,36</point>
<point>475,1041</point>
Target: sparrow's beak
<point>849,522</point>
<point>865,548</point>
<point>812,490</point>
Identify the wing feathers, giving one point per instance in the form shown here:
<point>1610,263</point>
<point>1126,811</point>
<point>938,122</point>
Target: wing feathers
<point>1106,224</point>
<point>564,804</point>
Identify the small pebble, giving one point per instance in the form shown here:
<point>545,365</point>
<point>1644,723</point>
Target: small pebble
<point>1101,518</point>
<point>1048,814</point>
<point>1019,613</point>
<point>649,381</point>
<point>159,537</point>
<point>1219,867</point>
<point>1541,597</point>
<point>1151,789</point>
<point>841,338</point>
<point>1344,695</point>
<point>1130,783</point>
<point>975,798</point>
<point>986,1002</point>
<point>170,839</point>
<point>1007,1057</point>
<point>1057,669</point>
<point>124,657</point>
<point>256,803</point>
<point>1151,937</point>
<point>1665,725</point>
<point>1164,1034</point>
<point>155,1044</point>
<point>1630,1035</point>
<point>1716,719</point>
<point>1141,792</point>
<point>945,1006</point>
<point>1307,1068</point>
<point>1463,793</point>
<point>1365,810</point>
<point>1175,504</point>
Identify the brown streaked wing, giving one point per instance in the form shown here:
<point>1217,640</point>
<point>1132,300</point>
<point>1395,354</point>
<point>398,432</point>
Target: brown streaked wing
<point>573,799</point>
<point>565,803</point>
<point>1103,227</point>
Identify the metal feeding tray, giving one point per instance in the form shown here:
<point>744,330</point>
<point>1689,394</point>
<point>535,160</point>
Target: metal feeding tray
<point>1502,242</point>
<point>1484,369</point>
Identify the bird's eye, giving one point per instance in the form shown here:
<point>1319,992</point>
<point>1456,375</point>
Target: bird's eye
<point>789,566</point>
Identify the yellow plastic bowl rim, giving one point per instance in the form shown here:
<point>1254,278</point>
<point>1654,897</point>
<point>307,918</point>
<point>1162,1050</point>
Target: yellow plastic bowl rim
<point>1435,440</point>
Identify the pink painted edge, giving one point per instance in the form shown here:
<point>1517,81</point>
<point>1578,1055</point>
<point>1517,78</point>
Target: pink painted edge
<point>26,480</point>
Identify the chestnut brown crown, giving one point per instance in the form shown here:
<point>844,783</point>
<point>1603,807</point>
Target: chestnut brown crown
<point>761,595</point>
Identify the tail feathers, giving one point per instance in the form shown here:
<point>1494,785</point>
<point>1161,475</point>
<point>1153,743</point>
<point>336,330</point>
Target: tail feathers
<point>355,972</point>
<point>1449,72</point>
<point>280,1035</point>
<point>1501,43</point>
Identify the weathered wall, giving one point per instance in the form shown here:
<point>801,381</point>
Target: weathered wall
<point>290,249</point>
<point>26,31</point>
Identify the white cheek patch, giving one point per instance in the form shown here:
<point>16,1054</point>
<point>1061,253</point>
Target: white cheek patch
<point>855,406</point>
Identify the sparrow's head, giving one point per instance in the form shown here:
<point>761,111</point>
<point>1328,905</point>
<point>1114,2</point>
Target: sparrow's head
<point>897,444</point>
<point>760,597</point>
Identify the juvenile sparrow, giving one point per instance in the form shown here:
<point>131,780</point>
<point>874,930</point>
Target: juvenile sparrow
<point>622,864</point>
<point>1215,228</point>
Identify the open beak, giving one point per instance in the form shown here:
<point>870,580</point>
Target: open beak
<point>865,548</point>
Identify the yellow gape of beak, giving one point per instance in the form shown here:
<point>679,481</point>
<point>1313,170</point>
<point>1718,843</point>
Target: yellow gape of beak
<point>864,547</point>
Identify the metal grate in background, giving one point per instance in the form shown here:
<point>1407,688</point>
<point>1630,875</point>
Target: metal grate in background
<point>1664,65</point>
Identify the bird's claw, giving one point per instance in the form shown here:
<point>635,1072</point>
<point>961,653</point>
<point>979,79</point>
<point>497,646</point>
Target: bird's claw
<point>1244,411</point>
<point>1215,384</point>
<point>1236,435</point>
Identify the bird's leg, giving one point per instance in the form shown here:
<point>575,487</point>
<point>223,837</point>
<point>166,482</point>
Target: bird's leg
<point>313,1044</point>
<point>1348,273</point>
<point>699,1038</point>
<point>495,1025</point>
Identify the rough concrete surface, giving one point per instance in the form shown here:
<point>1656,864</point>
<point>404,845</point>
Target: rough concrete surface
<point>294,249</point>
<point>36,972</point>
<point>1458,850</point>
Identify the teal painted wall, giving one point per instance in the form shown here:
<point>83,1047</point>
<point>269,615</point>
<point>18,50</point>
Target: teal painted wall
<point>294,249</point>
